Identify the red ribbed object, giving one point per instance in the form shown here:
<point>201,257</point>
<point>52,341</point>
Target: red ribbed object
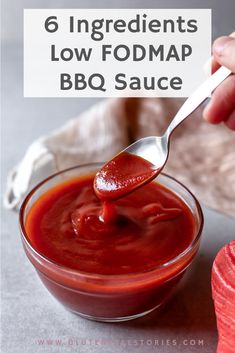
<point>223,291</point>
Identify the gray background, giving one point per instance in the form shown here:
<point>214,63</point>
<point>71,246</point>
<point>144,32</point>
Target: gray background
<point>29,313</point>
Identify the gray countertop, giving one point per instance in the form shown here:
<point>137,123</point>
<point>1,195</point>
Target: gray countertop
<point>32,320</point>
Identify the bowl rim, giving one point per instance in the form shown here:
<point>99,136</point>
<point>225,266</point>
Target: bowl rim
<point>75,272</point>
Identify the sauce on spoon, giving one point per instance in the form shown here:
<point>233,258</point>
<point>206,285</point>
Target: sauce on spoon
<point>123,174</point>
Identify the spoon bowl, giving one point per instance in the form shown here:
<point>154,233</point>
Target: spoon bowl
<point>154,149</point>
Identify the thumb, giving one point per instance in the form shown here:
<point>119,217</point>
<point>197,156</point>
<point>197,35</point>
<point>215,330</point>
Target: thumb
<point>224,52</point>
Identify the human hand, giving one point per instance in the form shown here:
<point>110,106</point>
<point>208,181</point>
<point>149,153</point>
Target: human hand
<point>221,107</point>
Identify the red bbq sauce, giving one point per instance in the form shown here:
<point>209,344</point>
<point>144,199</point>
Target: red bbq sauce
<point>122,175</point>
<point>145,229</point>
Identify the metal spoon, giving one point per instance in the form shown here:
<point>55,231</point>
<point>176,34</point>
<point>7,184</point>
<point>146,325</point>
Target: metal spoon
<point>116,180</point>
<point>155,149</point>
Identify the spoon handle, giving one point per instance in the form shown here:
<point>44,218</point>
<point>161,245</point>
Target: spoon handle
<point>198,96</point>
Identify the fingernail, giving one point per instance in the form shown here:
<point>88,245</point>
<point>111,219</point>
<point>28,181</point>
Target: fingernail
<point>220,44</point>
<point>205,111</point>
<point>207,66</point>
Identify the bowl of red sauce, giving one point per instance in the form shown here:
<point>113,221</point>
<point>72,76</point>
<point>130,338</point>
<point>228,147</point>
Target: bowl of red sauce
<point>110,262</point>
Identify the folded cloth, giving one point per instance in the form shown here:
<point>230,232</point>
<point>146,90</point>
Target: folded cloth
<point>93,136</point>
<point>202,156</point>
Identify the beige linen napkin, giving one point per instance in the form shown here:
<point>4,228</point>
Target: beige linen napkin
<point>202,156</point>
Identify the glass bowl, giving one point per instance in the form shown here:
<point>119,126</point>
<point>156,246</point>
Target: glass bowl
<point>110,298</point>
